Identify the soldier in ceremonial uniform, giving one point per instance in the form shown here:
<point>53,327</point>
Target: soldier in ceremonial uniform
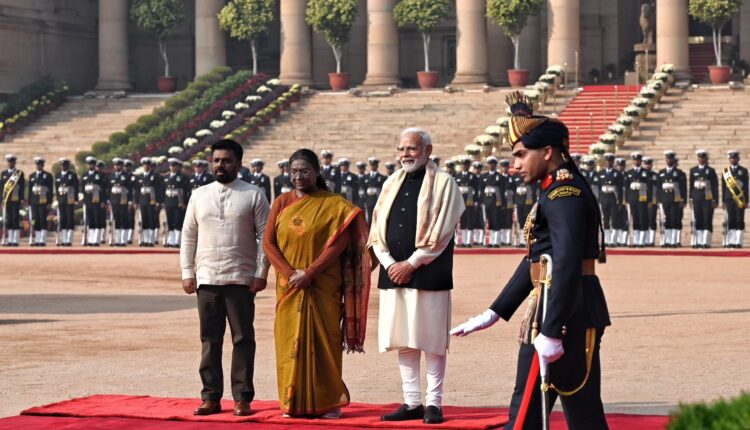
<point>373,184</point>
<point>245,174</point>
<point>390,168</point>
<point>704,198</point>
<point>130,224</point>
<point>610,197</point>
<point>576,157</point>
<point>638,195</point>
<point>103,220</point>
<point>329,172</point>
<point>468,185</point>
<point>734,183</point>
<point>559,346</point>
<point>590,174</point>
<point>41,186</point>
<point>94,200</point>
<point>509,203</point>
<point>149,184</point>
<point>525,196</point>
<point>478,221</point>
<point>492,188</point>
<point>283,182</point>
<point>12,185</point>
<point>361,166</point>
<point>450,167</point>
<point>66,184</point>
<point>200,176</point>
<point>120,201</point>
<point>622,219</point>
<point>672,188</point>
<point>348,186</point>
<point>260,179</point>
<point>653,207</point>
<point>435,159</point>
<point>176,195</point>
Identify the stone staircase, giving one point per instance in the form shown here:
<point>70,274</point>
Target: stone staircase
<point>75,126</point>
<point>714,118</point>
<point>362,127</point>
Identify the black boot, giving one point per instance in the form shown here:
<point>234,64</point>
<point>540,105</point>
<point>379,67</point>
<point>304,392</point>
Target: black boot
<point>403,413</point>
<point>433,415</point>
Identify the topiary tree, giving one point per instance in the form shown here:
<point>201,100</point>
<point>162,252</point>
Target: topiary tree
<point>512,16</point>
<point>247,20</point>
<point>334,20</point>
<point>425,14</point>
<point>715,13</point>
<point>158,17</point>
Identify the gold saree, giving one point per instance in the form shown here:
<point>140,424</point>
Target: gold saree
<point>313,326</point>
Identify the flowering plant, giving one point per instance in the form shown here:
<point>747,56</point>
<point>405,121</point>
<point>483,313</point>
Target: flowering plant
<point>228,114</point>
<point>625,120</point>
<point>189,142</point>
<point>253,98</point>
<point>203,133</point>
<point>647,93</point>
<point>493,130</point>
<point>174,150</point>
<point>667,68</point>
<point>608,138</point>
<point>542,86</point>
<point>485,140</point>
<point>633,111</point>
<point>600,148</point>
<point>273,82</point>
<point>216,124</point>
<point>641,102</point>
<point>239,106</point>
<point>503,121</point>
<point>532,94</point>
<point>548,78</point>
<point>263,89</point>
<point>617,129</point>
<point>554,70</point>
<point>661,76</point>
<point>472,149</point>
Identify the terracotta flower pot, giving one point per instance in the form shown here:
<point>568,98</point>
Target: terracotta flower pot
<point>518,77</point>
<point>719,74</point>
<point>338,81</point>
<point>428,80</point>
<point>166,84</point>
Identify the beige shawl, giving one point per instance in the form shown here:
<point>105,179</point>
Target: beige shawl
<point>439,207</point>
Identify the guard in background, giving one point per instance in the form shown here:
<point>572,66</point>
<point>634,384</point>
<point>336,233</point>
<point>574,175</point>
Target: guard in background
<point>329,172</point>
<point>525,195</point>
<point>704,198</point>
<point>622,219</point>
<point>450,167</point>
<point>41,185</point>
<point>653,207</point>
<point>120,201</point>
<point>638,197</point>
<point>149,185</point>
<point>130,225</point>
<point>260,179</point>
<point>282,183</point>
<point>672,187</point>
<point>102,227</point>
<point>94,199</point>
<point>734,183</point>
<point>468,185</point>
<point>493,200</point>
<point>435,159</point>
<point>610,197</point>
<point>200,176</point>
<point>390,168</point>
<point>66,183</point>
<point>12,185</point>
<point>176,195</point>
<point>347,181</point>
<point>373,185</point>
<point>361,175</point>
<point>509,203</point>
<point>590,174</point>
<point>478,221</point>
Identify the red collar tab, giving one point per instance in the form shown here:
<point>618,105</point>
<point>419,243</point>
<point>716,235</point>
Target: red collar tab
<point>546,182</point>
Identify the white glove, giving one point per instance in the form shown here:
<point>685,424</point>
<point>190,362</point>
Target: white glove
<point>479,322</point>
<point>549,349</point>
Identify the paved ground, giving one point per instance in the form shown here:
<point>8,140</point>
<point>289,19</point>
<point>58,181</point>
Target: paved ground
<point>75,325</point>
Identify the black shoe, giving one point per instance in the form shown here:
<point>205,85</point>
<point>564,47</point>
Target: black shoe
<point>433,415</point>
<point>403,414</point>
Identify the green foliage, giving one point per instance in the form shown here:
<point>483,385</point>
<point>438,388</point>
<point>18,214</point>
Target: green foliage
<point>118,138</point>
<point>158,17</point>
<point>513,14</point>
<point>134,128</point>
<point>198,86</point>
<point>425,14</point>
<point>100,148</point>
<point>247,19</point>
<point>148,120</point>
<point>20,100</point>
<point>333,19</point>
<point>732,414</point>
<point>714,12</point>
<point>81,157</point>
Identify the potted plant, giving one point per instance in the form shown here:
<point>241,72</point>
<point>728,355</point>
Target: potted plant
<point>159,17</point>
<point>511,15</point>
<point>715,13</point>
<point>473,150</point>
<point>425,14</point>
<point>334,20</point>
<point>247,20</point>
<point>485,143</point>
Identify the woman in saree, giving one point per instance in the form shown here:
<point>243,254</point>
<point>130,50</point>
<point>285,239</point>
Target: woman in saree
<point>315,239</point>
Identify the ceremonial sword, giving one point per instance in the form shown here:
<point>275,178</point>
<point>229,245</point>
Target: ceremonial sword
<point>544,285</point>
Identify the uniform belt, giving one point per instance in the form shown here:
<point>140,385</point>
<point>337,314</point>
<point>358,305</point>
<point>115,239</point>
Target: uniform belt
<point>588,268</point>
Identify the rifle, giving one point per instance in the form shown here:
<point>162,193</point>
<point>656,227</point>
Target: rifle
<point>31,226</point>
<point>693,233</point>
<point>111,226</point>
<point>725,227</point>
<point>57,239</point>
<point>85,228</point>
<point>662,220</point>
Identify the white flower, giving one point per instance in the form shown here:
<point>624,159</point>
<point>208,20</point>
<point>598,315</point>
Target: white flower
<point>661,76</point>
<point>542,86</point>
<point>253,99</point>
<point>273,82</point>
<point>188,142</point>
<point>174,150</point>
<point>640,102</point>
<point>548,78</point>
<point>493,130</point>
<point>608,138</point>
<point>618,129</point>
<point>555,70</point>
<point>625,120</point>
<point>241,106</point>
<point>503,121</point>
<point>203,133</point>
<point>633,111</point>
<point>600,148</point>
<point>647,92</point>
<point>228,114</point>
<point>472,149</point>
<point>263,89</point>
<point>484,140</point>
<point>160,159</point>
<point>215,124</point>
<point>532,94</point>
<point>667,68</point>
<point>138,171</point>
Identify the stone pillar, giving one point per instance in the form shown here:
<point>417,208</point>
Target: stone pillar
<point>530,51</point>
<point>113,45</point>
<point>471,42</point>
<point>499,54</point>
<point>564,33</point>
<point>672,35</point>
<point>745,31</point>
<point>382,44</point>
<point>296,61</point>
<point>210,41</point>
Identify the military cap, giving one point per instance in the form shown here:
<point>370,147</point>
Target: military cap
<point>450,163</point>
<point>256,162</point>
<point>477,164</point>
<point>390,165</point>
<point>701,153</point>
<point>619,160</point>
<point>491,159</point>
<point>146,160</point>
<point>648,160</point>
<point>504,162</point>
<point>533,131</point>
<point>10,157</point>
<point>38,160</point>
<point>434,158</point>
<point>282,163</point>
<point>636,155</point>
<point>576,156</point>
<point>90,160</point>
<point>173,160</point>
<point>466,160</point>
<point>361,164</point>
<point>118,160</point>
<point>669,154</point>
<point>326,153</point>
<point>589,160</point>
<point>344,161</point>
<point>196,162</point>
<point>129,162</point>
<point>609,156</point>
<point>733,153</point>
<point>373,160</point>
<point>63,160</point>
<point>100,163</point>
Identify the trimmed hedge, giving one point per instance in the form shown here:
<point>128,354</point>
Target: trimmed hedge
<point>731,414</point>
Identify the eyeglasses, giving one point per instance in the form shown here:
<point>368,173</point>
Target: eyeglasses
<point>303,173</point>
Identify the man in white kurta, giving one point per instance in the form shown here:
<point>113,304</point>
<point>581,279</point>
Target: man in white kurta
<point>412,236</point>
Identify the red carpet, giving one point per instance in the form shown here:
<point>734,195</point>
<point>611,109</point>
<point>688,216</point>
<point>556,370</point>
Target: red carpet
<point>105,412</point>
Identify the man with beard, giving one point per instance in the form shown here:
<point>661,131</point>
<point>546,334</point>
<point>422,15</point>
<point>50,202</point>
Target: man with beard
<point>40,197</point>
<point>478,223</point>
<point>222,261</point>
<point>412,237</point>
<point>525,195</point>
<point>493,196</point>
<point>506,217</point>
<point>94,200</point>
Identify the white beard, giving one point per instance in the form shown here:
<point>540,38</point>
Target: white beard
<point>412,165</point>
